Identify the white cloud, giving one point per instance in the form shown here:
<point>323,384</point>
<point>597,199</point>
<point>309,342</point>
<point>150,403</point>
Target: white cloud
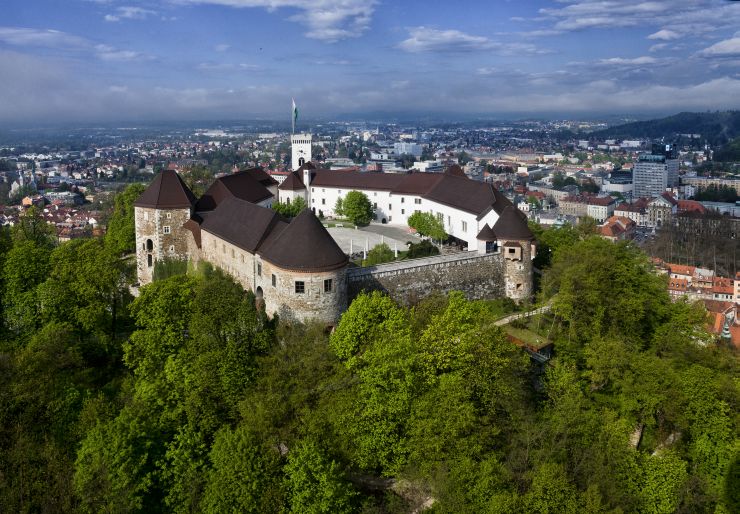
<point>109,53</point>
<point>21,36</point>
<point>129,13</point>
<point>426,39</point>
<point>657,47</point>
<point>664,35</point>
<point>222,47</point>
<point>675,18</point>
<point>220,66</point>
<point>326,20</point>
<point>727,48</point>
<point>621,61</point>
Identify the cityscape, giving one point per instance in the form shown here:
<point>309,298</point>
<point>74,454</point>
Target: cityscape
<point>354,256</point>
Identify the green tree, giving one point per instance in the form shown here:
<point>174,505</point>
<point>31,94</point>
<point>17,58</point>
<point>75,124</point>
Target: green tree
<point>427,224</point>
<point>26,266</point>
<point>86,285</point>
<point>379,254</point>
<point>120,234</point>
<point>339,207</point>
<point>357,208</point>
<point>244,477</point>
<point>290,210</point>
<point>33,227</point>
<point>314,483</point>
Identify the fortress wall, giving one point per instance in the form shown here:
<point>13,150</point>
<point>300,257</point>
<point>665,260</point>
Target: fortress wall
<point>478,276</point>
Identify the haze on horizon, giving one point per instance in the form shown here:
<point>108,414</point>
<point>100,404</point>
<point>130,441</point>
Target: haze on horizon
<point>111,60</point>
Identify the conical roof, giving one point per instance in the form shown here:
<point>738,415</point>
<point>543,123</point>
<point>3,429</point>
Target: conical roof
<point>167,191</point>
<point>292,182</point>
<point>486,234</point>
<point>512,224</point>
<point>304,245</point>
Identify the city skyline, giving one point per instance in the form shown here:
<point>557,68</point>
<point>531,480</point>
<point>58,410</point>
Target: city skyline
<point>108,60</point>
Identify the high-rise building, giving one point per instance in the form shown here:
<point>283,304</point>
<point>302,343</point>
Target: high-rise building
<point>656,171</point>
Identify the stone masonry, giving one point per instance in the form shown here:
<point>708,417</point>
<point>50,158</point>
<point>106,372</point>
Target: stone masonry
<point>477,276</point>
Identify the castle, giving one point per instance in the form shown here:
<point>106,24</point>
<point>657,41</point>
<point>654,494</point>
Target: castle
<point>294,266</point>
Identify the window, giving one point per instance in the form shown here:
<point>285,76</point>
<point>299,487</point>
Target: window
<point>146,216</point>
<point>402,199</point>
<point>464,226</point>
<point>259,269</point>
<point>328,285</point>
<point>449,222</point>
<point>323,190</point>
<point>232,253</point>
<point>417,201</point>
<point>403,211</point>
<point>312,190</point>
<point>274,280</point>
<point>390,207</point>
<point>149,260</point>
<point>300,287</point>
<point>169,215</point>
<point>323,201</point>
<point>172,248</point>
<point>223,248</point>
<point>375,205</point>
<point>375,194</point>
<point>166,229</point>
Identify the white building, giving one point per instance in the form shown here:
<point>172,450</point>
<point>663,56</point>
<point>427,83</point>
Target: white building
<point>464,206</point>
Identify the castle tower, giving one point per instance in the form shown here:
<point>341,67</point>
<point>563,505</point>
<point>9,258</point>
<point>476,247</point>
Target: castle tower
<point>159,215</point>
<point>518,247</point>
<point>300,150</point>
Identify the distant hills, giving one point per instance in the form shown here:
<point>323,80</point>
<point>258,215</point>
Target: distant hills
<point>716,128</point>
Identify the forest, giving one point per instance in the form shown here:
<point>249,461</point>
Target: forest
<point>188,398</point>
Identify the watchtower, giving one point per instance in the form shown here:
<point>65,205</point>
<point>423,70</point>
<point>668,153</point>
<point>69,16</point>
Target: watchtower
<point>159,215</point>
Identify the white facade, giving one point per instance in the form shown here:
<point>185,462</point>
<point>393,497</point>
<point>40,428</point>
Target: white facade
<point>300,149</point>
<point>395,209</point>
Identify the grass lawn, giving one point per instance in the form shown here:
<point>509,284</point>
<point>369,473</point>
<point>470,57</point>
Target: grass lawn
<point>527,336</point>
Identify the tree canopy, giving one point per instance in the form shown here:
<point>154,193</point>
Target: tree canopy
<point>427,224</point>
<point>190,398</point>
<point>357,208</point>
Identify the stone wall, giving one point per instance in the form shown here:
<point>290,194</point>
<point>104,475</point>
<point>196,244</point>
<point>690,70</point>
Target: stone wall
<point>478,276</point>
<point>159,234</point>
<point>279,296</point>
<point>518,270</point>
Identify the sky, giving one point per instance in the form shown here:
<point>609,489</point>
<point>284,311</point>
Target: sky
<point>128,60</point>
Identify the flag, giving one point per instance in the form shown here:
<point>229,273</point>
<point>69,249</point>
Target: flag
<point>295,114</point>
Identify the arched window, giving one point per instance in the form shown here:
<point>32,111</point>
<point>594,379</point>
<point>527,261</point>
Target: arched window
<point>149,246</point>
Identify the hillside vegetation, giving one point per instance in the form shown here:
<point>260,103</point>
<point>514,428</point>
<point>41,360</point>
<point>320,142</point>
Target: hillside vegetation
<point>715,128</point>
<point>190,399</point>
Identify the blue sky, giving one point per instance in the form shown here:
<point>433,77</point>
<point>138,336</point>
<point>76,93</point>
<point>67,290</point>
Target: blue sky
<point>111,60</point>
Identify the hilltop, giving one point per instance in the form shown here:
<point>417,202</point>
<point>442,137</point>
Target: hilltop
<point>716,128</point>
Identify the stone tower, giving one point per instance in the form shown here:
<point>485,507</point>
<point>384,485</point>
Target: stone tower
<point>518,248</point>
<point>300,149</point>
<point>159,215</point>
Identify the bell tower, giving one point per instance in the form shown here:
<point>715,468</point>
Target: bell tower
<point>300,149</point>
